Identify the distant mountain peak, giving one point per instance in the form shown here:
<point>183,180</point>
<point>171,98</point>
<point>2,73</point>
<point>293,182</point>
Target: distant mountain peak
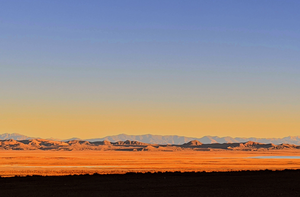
<point>175,139</point>
<point>14,136</point>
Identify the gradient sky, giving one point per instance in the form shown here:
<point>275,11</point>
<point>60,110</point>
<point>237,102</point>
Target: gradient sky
<point>94,68</point>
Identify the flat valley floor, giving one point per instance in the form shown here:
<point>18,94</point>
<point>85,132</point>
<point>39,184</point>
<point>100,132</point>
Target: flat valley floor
<point>53,163</point>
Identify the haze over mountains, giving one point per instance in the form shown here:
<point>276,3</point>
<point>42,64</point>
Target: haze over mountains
<point>174,139</point>
<point>14,136</point>
<point>170,139</point>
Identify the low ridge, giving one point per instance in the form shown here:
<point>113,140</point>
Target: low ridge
<point>128,145</point>
<point>193,143</point>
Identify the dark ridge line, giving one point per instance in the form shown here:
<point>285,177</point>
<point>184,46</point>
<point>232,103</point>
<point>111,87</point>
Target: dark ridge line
<point>175,173</point>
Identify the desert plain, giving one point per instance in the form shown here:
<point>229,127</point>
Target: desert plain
<point>49,163</point>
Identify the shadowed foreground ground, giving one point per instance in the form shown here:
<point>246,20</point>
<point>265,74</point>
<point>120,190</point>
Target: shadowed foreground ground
<point>245,183</point>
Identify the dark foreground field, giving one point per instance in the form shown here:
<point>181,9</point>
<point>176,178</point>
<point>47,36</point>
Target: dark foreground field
<point>245,183</point>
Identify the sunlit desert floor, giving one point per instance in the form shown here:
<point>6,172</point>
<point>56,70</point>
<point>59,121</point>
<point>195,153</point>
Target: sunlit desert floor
<point>118,162</point>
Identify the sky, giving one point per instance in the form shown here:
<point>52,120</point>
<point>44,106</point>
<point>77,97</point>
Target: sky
<point>94,68</point>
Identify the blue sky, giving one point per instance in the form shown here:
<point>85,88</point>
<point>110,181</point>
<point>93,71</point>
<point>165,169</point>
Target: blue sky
<point>221,55</point>
<point>138,33</point>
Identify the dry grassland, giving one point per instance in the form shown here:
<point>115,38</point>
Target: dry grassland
<point>105,162</point>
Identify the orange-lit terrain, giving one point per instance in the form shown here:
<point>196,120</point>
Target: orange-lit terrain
<point>37,162</point>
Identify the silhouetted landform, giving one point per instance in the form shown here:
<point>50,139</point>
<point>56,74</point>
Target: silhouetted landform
<point>170,139</point>
<point>221,184</point>
<point>43,144</point>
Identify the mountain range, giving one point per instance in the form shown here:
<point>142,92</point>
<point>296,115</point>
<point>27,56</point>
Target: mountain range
<point>81,145</point>
<point>14,136</point>
<point>169,139</point>
<point>174,139</point>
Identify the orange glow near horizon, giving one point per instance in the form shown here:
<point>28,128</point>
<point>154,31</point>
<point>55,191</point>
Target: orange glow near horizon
<point>99,121</point>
